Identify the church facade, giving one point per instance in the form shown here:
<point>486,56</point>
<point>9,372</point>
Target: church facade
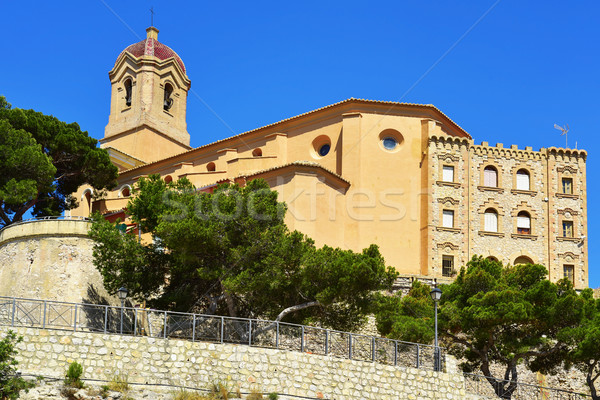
<point>403,176</point>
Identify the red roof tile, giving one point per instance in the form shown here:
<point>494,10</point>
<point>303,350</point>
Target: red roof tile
<point>152,47</point>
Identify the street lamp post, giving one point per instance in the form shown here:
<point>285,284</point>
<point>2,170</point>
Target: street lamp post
<point>436,295</point>
<point>122,293</point>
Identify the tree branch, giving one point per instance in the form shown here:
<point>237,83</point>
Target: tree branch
<point>23,210</point>
<point>295,308</point>
<point>285,312</point>
<point>3,215</point>
<point>464,343</point>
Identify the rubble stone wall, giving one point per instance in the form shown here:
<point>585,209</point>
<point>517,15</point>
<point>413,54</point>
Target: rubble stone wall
<point>197,364</point>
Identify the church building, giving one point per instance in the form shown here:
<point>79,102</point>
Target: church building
<point>403,176</point>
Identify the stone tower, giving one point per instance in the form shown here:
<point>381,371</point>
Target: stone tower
<point>148,104</point>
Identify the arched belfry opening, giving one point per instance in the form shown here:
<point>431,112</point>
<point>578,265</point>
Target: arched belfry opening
<point>147,120</point>
<point>128,85</point>
<point>168,100</point>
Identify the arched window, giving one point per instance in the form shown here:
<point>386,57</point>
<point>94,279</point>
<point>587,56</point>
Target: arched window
<point>490,220</point>
<point>210,166</point>
<point>168,179</point>
<point>492,258</point>
<point>257,152</point>
<point>524,223</point>
<point>168,102</point>
<point>87,196</point>
<point>490,176</point>
<point>523,260</point>
<point>523,180</point>
<point>125,191</point>
<point>128,89</point>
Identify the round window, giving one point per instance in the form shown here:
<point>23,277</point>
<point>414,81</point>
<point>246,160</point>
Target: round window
<point>390,140</point>
<point>324,150</point>
<point>390,143</point>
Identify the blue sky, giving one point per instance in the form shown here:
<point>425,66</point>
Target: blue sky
<point>505,71</point>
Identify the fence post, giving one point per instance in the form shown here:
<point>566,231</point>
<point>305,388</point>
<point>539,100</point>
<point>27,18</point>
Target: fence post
<point>326,341</point>
<point>222,328</point>
<point>194,328</point>
<point>14,307</point>
<point>350,346</point>
<point>75,319</point>
<point>250,332</point>
<point>105,318</point>
<point>165,328</point>
<point>44,323</point>
<point>418,356</point>
<point>277,335</point>
<point>302,339</point>
<point>134,321</point>
<point>373,347</point>
<point>395,352</point>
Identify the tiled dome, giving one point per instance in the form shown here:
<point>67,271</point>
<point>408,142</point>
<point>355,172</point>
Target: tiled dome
<point>152,47</point>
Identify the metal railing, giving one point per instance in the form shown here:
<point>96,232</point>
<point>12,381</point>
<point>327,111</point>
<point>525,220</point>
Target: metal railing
<point>478,384</point>
<point>51,218</point>
<point>216,329</point>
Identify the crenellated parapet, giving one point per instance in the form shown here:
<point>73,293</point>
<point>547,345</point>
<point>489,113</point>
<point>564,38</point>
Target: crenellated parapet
<point>512,152</point>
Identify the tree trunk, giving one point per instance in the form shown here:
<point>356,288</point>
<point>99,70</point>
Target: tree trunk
<point>591,381</point>
<point>504,388</point>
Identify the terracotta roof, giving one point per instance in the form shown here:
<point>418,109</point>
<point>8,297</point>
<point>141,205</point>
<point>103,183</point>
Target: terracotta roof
<point>296,163</point>
<point>152,47</point>
<point>311,164</point>
<point>347,101</point>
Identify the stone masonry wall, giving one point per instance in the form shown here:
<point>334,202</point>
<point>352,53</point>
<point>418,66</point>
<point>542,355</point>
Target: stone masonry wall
<point>52,260</point>
<point>468,198</point>
<point>197,364</point>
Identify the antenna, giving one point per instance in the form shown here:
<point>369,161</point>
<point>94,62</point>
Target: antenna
<point>564,130</point>
<point>151,16</point>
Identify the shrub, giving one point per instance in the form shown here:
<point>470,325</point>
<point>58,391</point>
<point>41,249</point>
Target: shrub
<point>255,394</point>
<point>118,383</point>
<point>73,377</point>
<point>273,396</point>
<point>220,391</point>
<point>11,382</point>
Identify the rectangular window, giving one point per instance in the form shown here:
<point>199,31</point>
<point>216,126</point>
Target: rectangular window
<point>448,173</point>
<point>448,219</point>
<point>567,228</point>
<point>567,185</point>
<point>569,271</point>
<point>490,177</point>
<point>447,265</point>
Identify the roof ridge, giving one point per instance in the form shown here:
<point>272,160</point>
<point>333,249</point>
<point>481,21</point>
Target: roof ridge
<point>351,99</point>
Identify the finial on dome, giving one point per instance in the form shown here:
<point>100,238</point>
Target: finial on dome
<point>152,33</point>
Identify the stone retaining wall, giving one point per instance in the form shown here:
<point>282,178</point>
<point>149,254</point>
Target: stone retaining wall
<point>52,260</point>
<point>197,364</point>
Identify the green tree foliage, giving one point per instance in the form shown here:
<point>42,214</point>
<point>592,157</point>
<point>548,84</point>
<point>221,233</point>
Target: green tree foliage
<point>10,382</point>
<point>507,315</point>
<point>73,376</point>
<point>230,253</point>
<point>43,161</point>
<point>409,318</point>
<point>583,342</point>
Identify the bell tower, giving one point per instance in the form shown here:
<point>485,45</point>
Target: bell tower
<point>149,88</point>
